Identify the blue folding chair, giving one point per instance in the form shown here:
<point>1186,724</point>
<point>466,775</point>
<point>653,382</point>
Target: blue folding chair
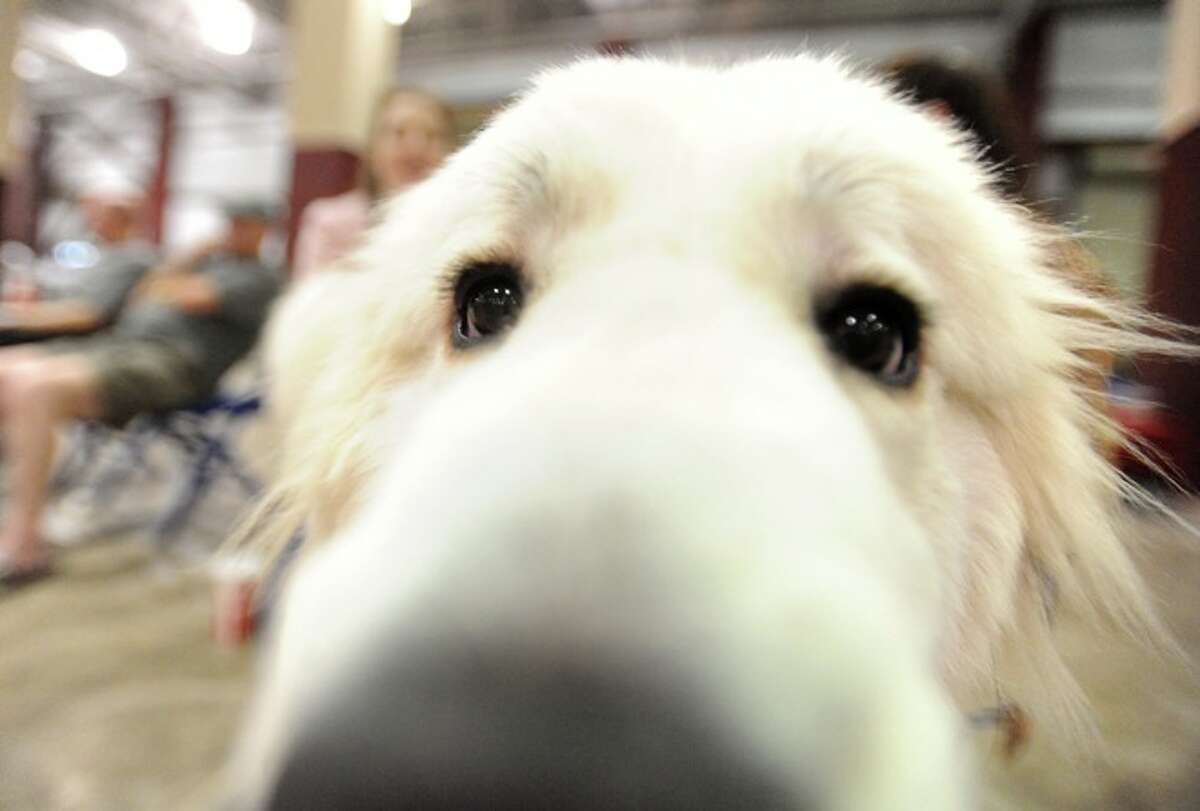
<point>203,431</point>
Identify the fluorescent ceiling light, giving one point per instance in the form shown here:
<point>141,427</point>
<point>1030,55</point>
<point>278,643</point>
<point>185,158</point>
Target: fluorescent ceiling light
<point>396,12</point>
<point>98,51</point>
<point>226,26</point>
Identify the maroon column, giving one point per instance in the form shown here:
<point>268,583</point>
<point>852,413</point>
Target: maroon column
<point>1174,285</point>
<point>1025,77</point>
<point>16,203</point>
<point>318,173</point>
<point>157,193</point>
<point>3,208</point>
<point>24,188</point>
<point>16,215</point>
<point>1174,291</point>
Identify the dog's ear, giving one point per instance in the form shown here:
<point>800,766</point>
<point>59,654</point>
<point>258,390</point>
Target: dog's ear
<point>335,349</point>
<point>1080,269</point>
<point>302,336</point>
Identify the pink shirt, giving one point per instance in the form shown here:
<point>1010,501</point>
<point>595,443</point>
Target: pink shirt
<point>330,228</point>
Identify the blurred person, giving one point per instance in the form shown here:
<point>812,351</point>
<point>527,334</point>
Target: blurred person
<point>96,295</point>
<point>975,100</point>
<point>184,326</point>
<point>411,133</point>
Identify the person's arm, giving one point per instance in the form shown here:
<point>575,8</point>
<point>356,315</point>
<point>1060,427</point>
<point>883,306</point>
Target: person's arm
<point>66,317</point>
<point>190,292</point>
<point>175,282</point>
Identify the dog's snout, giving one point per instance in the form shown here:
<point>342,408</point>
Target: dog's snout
<point>502,730</point>
<point>613,622</point>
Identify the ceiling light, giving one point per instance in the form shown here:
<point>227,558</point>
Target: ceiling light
<point>396,12</point>
<point>226,26</point>
<point>98,51</point>
<point>28,65</point>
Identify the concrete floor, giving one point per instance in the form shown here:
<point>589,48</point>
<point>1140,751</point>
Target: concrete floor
<point>1146,705</point>
<point>112,695</point>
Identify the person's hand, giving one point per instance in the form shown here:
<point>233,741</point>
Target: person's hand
<point>161,286</point>
<point>161,283</point>
<point>185,291</point>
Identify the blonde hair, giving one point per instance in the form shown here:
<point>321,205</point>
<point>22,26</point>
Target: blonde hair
<point>366,178</point>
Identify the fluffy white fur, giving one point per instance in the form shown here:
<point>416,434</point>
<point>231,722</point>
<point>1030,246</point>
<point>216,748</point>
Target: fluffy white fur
<point>664,459</point>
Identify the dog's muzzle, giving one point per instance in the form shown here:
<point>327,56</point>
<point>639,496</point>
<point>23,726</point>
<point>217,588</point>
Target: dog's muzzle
<point>659,595</point>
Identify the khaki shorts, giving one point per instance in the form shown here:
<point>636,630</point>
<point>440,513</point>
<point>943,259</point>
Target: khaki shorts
<point>136,376</point>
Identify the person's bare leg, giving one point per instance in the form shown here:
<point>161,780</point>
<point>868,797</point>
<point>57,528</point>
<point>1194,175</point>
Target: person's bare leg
<point>12,357</point>
<point>38,397</point>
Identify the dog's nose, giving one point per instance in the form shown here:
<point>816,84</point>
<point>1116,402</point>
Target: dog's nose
<point>503,730</point>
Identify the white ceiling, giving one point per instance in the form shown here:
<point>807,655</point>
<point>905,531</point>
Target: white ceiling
<point>166,53</point>
<point>483,50</point>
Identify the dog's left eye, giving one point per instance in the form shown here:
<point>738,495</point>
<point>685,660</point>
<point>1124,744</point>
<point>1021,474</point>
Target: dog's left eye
<point>875,330</point>
<point>487,301</point>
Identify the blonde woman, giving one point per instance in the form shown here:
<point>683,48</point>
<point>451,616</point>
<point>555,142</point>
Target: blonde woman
<point>411,133</point>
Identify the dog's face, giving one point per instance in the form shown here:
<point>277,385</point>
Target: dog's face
<point>685,443</point>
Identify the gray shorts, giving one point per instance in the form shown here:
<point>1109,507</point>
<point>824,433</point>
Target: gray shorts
<point>136,376</point>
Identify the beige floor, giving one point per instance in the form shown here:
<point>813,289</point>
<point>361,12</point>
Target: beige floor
<point>1146,706</point>
<point>112,695</point>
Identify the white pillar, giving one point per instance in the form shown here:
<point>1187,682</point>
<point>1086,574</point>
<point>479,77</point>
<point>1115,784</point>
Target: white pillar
<point>10,24</point>
<point>342,57</point>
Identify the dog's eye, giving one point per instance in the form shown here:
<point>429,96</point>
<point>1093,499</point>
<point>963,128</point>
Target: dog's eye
<point>876,330</point>
<point>487,301</point>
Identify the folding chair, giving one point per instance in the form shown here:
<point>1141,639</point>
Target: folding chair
<point>204,432</point>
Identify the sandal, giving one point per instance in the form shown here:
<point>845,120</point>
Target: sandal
<point>13,577</point>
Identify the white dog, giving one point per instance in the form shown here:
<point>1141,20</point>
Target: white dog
<point>696,438</point>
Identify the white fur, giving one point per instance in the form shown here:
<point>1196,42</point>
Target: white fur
<point>664,461</point>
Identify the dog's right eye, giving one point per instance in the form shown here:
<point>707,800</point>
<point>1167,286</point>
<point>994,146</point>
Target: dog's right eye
<point>487,301</point>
